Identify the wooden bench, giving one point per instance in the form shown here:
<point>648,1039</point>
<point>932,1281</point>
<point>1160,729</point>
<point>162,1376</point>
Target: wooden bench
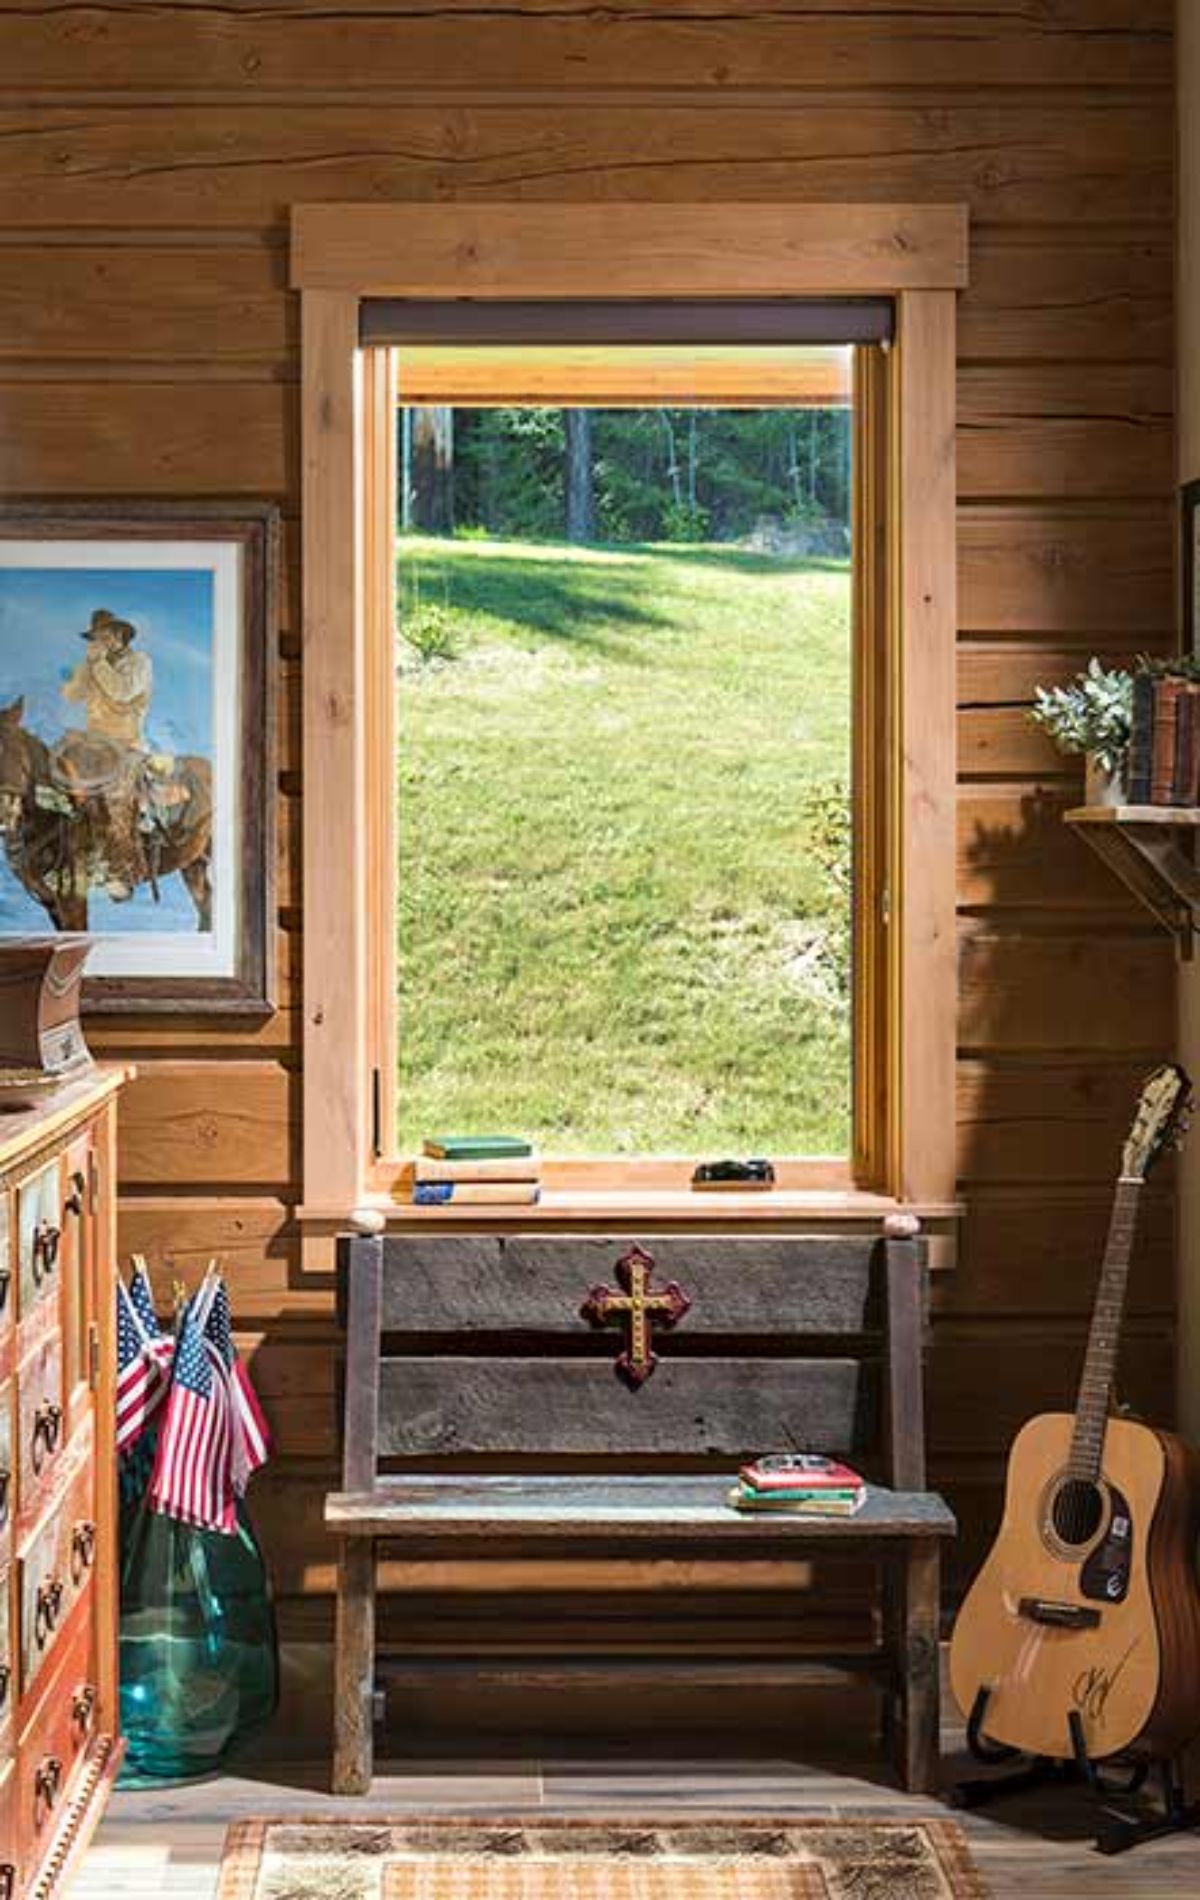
<point>475,1349</point>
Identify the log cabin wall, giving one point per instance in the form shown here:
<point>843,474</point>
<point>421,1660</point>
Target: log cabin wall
<point>149,347</point>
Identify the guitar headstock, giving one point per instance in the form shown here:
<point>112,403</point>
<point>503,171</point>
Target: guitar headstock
<point>1161,1121</point>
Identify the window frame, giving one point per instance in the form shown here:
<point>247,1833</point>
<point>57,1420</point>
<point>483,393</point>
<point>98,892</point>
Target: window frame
<point>904,656</point>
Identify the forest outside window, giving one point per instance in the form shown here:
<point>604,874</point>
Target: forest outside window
<point>639,670</point>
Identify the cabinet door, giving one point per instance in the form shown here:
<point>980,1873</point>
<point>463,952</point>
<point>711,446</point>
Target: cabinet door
<point>39,1253</point>
<point>79,1271</point>
<point>41,1425</point>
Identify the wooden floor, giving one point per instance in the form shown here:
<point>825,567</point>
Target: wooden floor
<point>169,1842</point>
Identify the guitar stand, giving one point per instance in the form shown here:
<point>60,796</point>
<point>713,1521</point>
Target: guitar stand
<point>1116,1831</point>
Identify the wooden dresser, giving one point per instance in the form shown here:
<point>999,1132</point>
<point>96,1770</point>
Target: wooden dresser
<point>58,1555</point>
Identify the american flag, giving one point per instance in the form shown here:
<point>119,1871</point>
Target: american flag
<point>143,1358</point>
<point>251,1440</point>
<point>214,1435</point>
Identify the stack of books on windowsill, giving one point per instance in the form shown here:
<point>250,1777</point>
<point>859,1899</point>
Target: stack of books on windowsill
<point>476,1170</point>
<point>798,1484</point>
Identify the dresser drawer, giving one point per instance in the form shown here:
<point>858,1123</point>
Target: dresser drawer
<point>41,1422</point>
<point>8,1662</point>
<point>8,1831</point>
<point>39,1243</point>
<point>54,1742</point>
<point>8,1476</point>
<point>8,1293</point>
<point>53,1573</point>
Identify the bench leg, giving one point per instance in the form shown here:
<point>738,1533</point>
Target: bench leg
<point>917,1737</point>
<point>354,1668</point>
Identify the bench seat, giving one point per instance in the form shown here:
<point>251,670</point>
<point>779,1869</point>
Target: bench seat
<point>665,1510</point>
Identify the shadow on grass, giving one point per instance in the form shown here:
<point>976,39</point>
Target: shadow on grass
<point>585,603</point>
<point>740,560</point>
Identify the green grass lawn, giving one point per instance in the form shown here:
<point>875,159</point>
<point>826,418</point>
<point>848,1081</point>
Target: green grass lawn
<point>623,921</point>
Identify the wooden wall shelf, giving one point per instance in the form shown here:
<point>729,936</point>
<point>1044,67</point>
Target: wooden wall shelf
<point>1151,848</point>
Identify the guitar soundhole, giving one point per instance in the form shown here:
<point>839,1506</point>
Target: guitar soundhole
<point>1077,1511</point>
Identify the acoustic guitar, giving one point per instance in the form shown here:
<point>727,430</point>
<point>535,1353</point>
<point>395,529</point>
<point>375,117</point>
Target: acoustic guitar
<point>1086,1614</point>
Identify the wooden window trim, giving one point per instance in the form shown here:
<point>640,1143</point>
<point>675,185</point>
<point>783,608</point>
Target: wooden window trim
<point>345,254</point>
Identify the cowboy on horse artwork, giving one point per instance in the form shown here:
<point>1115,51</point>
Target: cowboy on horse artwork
<point>98,810</point>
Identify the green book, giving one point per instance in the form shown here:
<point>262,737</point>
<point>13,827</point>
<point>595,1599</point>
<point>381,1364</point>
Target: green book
<point>476,1147</point>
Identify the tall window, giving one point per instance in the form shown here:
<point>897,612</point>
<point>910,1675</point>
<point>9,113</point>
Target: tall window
<point>631,815</point>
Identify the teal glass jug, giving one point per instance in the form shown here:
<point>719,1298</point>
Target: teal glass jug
<point>198,1652</point>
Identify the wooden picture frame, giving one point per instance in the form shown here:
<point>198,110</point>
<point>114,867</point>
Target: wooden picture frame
<point>137,772</point>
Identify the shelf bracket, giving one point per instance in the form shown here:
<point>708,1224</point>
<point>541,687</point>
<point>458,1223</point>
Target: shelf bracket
<point>1142,845</point>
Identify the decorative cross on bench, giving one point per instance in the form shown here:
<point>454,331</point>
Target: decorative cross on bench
<point>640,1308</point>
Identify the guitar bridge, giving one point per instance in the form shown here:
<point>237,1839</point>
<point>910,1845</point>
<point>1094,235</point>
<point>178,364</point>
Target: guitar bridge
<point>1066,1616</point>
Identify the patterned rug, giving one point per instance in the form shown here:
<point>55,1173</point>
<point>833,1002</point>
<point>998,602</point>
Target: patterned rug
<point>844,1859</point>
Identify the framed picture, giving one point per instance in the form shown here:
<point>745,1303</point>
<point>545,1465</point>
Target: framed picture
<point>137,745</point>
<point>1189,496</point>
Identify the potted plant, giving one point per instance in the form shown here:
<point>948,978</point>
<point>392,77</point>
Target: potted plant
<point>1092,714</point>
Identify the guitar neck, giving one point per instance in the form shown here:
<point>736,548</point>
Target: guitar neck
<point>1099,1367</point>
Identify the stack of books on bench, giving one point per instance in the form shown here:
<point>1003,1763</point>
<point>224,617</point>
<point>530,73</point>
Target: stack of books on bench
<point>479,1170</point>
<point>798,1484</point>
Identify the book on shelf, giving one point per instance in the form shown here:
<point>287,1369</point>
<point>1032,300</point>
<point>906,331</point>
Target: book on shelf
<point>477,1148</point>
<point>744,1497</point>
<point>475,1193</point>
<point>1162,765</point>
<point>515,1168</point>
<point>1141,741</point>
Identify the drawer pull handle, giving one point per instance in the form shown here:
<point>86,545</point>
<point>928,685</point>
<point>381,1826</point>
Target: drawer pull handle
<point>5,1483</point>
<point>83,1549</point>
<point>83,1708</point>
<point>74,1203</point>
<point>47,1611</point>
<point>47,1426</point>
<point>8,1881</point>
<point>5,1679</point>
<point>45,1250</point>
<point>47,1783</point>
<point>5,1283</point>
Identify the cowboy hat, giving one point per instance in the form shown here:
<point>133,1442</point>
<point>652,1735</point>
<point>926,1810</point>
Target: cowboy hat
<point>103,622</point>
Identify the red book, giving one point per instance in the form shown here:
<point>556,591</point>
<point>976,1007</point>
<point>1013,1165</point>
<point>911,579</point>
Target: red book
<point>1162,772</point>
<point>800,1471</point>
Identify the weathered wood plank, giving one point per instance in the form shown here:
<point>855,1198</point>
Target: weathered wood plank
<point>737,1286</point>
<point>1015,853</point>
<point>255,1239</point>
<point>1001,742</point>
<point>1039,571</point>
<point>1078,158</point>
<point>972,1413</point>
<point>431,47</point>
<point>1074,296</point>
<point>166,438</point>
<point>1066,431</point>
<point>1001,675</point>
<point>731,1407</point>
<point>1022,1253</point>
<point>1057,990</point>
<point>1043,1121</point>
<point>187,1124</point>
<point>176,303</point>
<point>633,1507</point>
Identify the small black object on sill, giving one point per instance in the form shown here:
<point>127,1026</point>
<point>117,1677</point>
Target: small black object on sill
<point>734,1174</point>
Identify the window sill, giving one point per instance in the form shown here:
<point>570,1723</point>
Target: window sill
<point>625,1206</point>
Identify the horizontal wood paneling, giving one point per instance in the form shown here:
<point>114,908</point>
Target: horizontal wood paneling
<point>149,157</point>
<point>209,1123</point>
<point>1041,570</point>
<point>1052,989</point>
<point>1078,158</point>
<point>307,48</point>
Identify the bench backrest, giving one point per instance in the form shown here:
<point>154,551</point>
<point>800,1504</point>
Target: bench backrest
<point>476,1351</point>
